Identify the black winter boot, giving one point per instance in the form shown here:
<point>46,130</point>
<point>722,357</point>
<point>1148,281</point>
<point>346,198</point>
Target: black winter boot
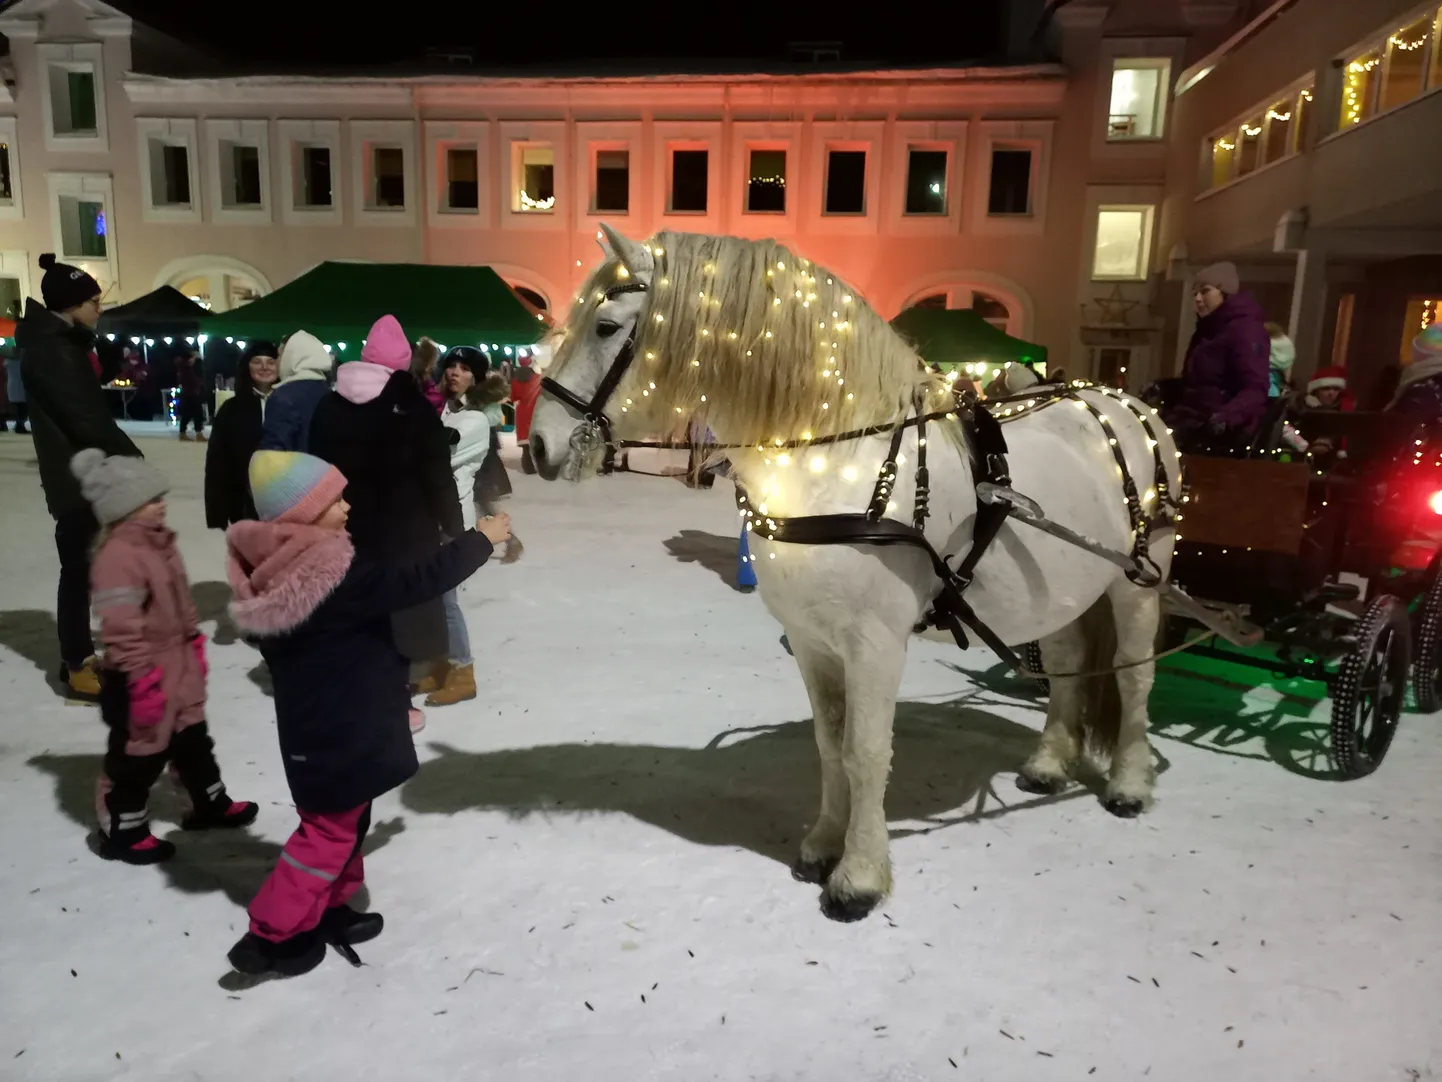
<point>291,957</point>
<point>343,924</point>
<point>137,846</point>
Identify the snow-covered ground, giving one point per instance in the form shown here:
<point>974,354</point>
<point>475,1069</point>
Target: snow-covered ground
<point>588,878</point>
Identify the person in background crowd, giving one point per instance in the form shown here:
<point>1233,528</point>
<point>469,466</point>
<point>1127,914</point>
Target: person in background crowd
<point>68,413</point>
<point>235,436</point>
<point>454,679</point>
<point>381,433</point>
<point>15,391</point>
<point>153,685</point>
<point>1281,356</point>
<point>304,380</point>
<point>1419,387</point>
<point>190,403</point>
<point>322,614</point>
<point>493,484</point>
<point>424,360</point>
<point>1327,392</point>
<point>1014,378</point>
<point>1227,373</point>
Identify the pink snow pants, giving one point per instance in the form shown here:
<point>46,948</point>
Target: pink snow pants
<point>319,867</point>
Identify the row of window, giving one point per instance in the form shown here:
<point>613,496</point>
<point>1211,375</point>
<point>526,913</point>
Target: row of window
<point>1400,66</point>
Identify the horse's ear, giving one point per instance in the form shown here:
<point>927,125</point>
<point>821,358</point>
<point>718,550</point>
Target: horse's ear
<point>618,247</point>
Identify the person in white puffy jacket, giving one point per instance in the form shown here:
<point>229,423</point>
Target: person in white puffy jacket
<point>454,680</point>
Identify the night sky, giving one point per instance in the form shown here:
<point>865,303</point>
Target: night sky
<point>286,34</point>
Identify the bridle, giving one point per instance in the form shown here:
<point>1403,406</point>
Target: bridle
<point>595,428</point>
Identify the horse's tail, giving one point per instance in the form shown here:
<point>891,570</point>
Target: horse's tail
<point>1101,708</point>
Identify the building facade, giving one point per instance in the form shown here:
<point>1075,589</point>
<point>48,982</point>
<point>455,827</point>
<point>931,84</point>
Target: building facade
<point>1038,193</point>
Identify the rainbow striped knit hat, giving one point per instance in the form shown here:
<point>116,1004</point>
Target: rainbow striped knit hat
<point>288,486</point>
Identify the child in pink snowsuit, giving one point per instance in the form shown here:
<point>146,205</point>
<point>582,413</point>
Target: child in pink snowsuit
<point>152,686</point>
<point>318,613</point>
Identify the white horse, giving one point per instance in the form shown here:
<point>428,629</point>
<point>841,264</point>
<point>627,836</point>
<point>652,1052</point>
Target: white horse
<point>768,350</point>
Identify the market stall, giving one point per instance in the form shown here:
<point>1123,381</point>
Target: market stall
<point>951,338</point>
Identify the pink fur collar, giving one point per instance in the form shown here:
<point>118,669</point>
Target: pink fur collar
<point>280,573</point>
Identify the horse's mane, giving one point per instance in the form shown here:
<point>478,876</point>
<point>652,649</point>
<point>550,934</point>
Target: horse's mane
<point>716,347</point>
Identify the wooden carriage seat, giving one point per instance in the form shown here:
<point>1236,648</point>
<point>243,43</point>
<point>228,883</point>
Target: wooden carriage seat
<point>1244,503</point>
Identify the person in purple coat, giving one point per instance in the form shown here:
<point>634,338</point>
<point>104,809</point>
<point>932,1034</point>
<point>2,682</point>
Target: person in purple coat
<point>1227,375</point>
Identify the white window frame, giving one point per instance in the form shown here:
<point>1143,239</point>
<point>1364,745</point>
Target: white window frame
<point>302,133</point>
<point>1149,218</point>
<point>177,132</point>
<point>14,207</point>
<point>80,56</point>
<point>365,136</point>
<point>1033,135</point>
<point>254,133</point>
<point>826,137</point>
<point>670,136</point>
<point>764,135</point>
<point>445,136</point>
<point>517,135</point>
<point>1130,62</point>
<point>951,136</point>
<point>591,139</point>
<point>91,187</point>
<point>16,263</point>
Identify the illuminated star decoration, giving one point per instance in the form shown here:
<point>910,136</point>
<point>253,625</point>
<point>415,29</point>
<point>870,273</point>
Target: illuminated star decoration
<point>1113,309</point>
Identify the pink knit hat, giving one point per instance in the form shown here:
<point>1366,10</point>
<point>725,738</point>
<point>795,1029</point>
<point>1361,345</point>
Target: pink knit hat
<point>387,345</point>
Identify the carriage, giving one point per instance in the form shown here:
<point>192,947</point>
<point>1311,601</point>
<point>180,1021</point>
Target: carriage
<point>1336,572</point>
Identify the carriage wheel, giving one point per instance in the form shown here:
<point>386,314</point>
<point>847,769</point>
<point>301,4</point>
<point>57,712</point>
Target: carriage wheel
<point>1031,657</point>
<point>1370,688</point>
<point>1427,664</point>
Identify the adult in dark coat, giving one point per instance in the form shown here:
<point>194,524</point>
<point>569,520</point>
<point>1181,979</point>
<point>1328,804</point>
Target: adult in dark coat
<point>304,380</point>
<point>68,413</point>
<point>379,430</point>
<point>235,436</point>
<point>1226,379</point>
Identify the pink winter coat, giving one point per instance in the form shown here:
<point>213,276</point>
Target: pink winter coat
<point>140,592</point>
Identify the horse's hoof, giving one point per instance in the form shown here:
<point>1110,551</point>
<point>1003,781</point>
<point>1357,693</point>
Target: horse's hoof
<point>1030,783</point>
<point>815,872</point>
<point>1123,807</point>
<point>850,909</point>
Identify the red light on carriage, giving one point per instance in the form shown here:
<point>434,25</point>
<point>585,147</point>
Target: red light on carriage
<point>1435,502</point>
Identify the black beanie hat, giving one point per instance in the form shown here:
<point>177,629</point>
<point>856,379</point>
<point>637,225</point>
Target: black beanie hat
<point>470,357</point>
<point>63,286</point>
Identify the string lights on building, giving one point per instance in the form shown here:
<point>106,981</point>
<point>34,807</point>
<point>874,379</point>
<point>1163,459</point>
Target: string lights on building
<point>1356,88</point>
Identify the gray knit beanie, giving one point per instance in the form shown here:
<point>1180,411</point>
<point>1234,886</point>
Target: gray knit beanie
<point>117,485</point>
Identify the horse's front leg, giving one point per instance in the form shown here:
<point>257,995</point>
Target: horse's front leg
<point>825,685</point>
<point>1133,775</point>
<point>875,657</point>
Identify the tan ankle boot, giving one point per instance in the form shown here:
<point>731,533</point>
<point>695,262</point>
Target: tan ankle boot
<point>460,687</point>
<point>433,681</point>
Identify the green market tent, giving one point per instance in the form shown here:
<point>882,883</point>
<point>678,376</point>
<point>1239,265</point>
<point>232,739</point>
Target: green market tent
<point>956,336</point>
<point>338,302</point>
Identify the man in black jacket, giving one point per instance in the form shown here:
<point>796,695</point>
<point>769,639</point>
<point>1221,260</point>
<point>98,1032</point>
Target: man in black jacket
<point>68,413</point>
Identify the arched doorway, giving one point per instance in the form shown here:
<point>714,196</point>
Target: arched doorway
<point>531,296</point>
<point>1001,303</point>
<point>218,283</point>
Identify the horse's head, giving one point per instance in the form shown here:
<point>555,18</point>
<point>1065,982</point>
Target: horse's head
<point>573,419</point>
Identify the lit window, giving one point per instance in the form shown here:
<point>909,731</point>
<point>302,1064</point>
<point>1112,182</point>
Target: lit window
<point>388,178</point>
<point>1359,89</point>
<point>1123,240</point>
<point>613,182</point>
<point>535,181</point>
<point>1249,145</point>
<point>1277,141</point>
<point>239,175</point>
<point>845,182</point>
<point>689,180</point>
<point>926,181</point>
<point>1302,115</point>
<point>1405,71</point>
<point>169,174</point>
<point>462,179</point>
<point>766,183</point>
<point>72,100</point>
<point>1223,158</point>
<point>1010,194</point>
<point>313,183</point>
<point>1434,77</point>
<point>1138,99</point>
<point>82,227</point>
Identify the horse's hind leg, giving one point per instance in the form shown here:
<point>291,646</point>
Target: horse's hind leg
<point>826,685</point>
<point>1132,776</point>
<point>875,656</point>
<point>1050,767</point>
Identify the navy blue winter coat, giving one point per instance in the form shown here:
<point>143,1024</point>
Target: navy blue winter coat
<point>288,413</point>
<point>322,620</point>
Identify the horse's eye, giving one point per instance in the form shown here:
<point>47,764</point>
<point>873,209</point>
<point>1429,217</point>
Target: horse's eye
<point>605,328</point>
